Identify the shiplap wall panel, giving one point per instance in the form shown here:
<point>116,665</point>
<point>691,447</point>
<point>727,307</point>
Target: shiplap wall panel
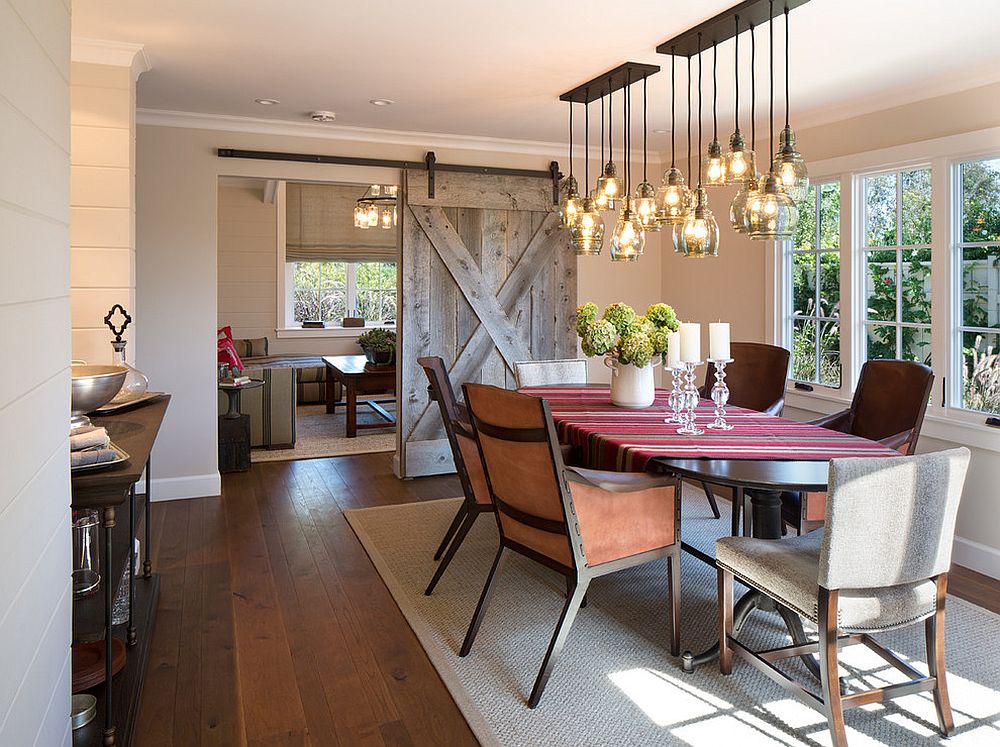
<point>34,279</point>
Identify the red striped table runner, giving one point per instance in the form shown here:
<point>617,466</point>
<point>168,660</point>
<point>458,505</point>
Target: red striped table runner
<point>616,438</point>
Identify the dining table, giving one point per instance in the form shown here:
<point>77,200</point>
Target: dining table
<point>761,457</point>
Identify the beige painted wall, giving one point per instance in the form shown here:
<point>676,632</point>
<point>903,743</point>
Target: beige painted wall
<point>35,593</point>
<point>102,206</point>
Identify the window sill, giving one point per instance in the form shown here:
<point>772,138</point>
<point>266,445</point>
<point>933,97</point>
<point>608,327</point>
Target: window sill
<point>298,332</point>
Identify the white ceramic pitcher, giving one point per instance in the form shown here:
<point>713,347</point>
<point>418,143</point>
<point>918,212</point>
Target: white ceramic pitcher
<point>632,386</point>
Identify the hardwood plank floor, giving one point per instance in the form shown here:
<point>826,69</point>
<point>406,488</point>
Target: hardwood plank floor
<point>274,628</point>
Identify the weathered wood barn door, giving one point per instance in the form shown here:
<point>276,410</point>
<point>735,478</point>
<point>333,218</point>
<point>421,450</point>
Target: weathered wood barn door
<point>487,279</point>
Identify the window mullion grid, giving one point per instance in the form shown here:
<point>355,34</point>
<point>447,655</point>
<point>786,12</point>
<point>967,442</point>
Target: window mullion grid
<point>352,295</point>
<point>899,265</point>
<point>816,309</point>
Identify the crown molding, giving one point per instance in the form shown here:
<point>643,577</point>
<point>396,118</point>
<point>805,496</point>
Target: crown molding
<point>423,140</point>
<point>103,52</point>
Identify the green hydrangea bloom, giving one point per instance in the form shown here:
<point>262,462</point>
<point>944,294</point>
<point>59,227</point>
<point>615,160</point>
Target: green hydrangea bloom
<point>636,348</point>
<point>621,315</point>
<point>585,315</point>
<point>659,340</point>
<point>663,316</point>
<point>598,338</point>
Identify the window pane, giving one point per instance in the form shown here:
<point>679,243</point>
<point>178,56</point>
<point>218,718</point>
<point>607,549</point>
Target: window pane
<point>916,286</point>
<point>333,304</point>
<point>334,275</point>
<point>880,285</point>
<point>306,274</point>
<point>881,341</point>
<point>306,305</point>
<point>805,229</point>
<point>981,286</point>
<point>829,354</point>
<point>915,344</point>
<point>981,371</point>
<point>804,350</point>
<point>804,284</point>
<point>916,186</point>
<point>829,216</point>
<point>981,200</point>
<point>880,210</point>
<point>829,284</point>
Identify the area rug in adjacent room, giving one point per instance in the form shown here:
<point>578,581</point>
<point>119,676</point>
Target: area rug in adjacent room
<point>616,683</point>
<point>318,434</point>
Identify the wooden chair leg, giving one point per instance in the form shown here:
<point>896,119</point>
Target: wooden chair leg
<point>674,595</point>
<point>462,511</point>
<point>484,601</point>
<point>934,634</point>
<point>725,621</point>
<point>570,609</point>
<point>737,507</point>
<point>463,530</point>
<point>711,499</point>
<point>828,665</point>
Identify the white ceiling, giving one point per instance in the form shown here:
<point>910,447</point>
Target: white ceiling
<point>495,69</point>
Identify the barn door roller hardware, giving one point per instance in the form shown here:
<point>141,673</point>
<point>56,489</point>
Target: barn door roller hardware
<point>429,164</point>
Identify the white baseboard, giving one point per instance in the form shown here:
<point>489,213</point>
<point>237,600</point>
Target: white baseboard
<point>178,488</point>
<point>976,556</point>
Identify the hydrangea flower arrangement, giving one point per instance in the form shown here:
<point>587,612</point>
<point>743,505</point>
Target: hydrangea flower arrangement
<point>622,334</point>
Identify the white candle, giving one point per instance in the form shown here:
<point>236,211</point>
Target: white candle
<point>690,343</point>
<point>673,349</point>
<point>718,341</point>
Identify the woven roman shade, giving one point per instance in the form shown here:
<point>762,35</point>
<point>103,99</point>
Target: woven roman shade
<point>319,226</point>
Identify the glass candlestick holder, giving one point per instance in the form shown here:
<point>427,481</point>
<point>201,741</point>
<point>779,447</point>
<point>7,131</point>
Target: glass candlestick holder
<point>676,397</point>
<point>690,393</point>
<point>720,394</point>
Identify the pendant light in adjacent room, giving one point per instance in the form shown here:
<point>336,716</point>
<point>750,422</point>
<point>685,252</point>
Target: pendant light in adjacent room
<point>789,166</point>
<point>713,161</point>
<point>740,160</point>
<point>772,212</point>
<point>609,186</point>
<point>672,196</point>
<point>738,216</point>
<point>587,233</point>
<point>645,194</point>
<point>628,238</point>
<point>698,236</point>
<point>569,204</point>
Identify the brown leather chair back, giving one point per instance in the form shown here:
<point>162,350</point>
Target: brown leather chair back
<point>523,463</point>
<point>756,377</point>
<point>891,398</point>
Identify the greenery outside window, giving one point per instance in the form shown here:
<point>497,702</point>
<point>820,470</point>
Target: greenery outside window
<point>896,251</point>
<point>814,262</point>
<point>977,262</point>
<point>329,291</point>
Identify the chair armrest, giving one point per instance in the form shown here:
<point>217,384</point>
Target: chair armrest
<point>617,482</point>
<point>897,441</point>
<point>776,407</point>
<point>838,421</point>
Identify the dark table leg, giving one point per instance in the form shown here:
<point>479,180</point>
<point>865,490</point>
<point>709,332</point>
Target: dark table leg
<point>130,637</point>
<point>147,566</point>
<point>109,714</point>
<point>352,407</point>
<point>331,404</point>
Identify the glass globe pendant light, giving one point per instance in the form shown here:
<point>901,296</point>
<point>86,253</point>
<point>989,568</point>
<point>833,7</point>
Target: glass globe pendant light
<point>689,198</point>
<point>739,218</point>
<point>645,194</point>
<point>789,166</point>
<point>628,238</point>
<point>609,186</point>
<point>713,161</point>
<point>569,204</point>
<point>671,197</point>
<point>587,231</point>
<point>740,160</point>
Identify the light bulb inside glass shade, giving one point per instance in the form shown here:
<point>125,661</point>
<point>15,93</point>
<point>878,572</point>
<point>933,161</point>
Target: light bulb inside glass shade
<point>587,233</point>
<point>628,239</point>
<point>569,203</point>
<point>387,219</point>
<point>738,217</point>
<point>360,217</point>
<point>771,212</point>
<point>714,165</point>
<point>644,206</point>
<point>698,236</point>
<point>790,167</point>
<point>740,160</point>
<point>609,186</point>
<point>672,198</point>
<point>372,216</point>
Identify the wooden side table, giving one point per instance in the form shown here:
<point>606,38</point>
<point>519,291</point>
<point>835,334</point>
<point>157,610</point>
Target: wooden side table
<point>357,377</point>
<point>234,430</point>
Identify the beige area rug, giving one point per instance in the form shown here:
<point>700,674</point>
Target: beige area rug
<point>616,683</point>
<point>320,435</point>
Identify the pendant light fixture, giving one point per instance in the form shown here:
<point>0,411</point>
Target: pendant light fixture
<point>628,238</point>
<point>600,198</point>
<point>587,232</point>
<point>609,185</point>
<point>645,194</point>
<point>789,166</point>
<point>714,161</point>
<point>740,160</point>
<point>738,216</point>
<point>689,194</point>
<point>698,236</point>
<point>772,213</point>
<point>672,196</point>
<point>569,204</point>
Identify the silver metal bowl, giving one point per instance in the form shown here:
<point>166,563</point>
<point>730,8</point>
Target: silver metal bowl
<point>93,386</point>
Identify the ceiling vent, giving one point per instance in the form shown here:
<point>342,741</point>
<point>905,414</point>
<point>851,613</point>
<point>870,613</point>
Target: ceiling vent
<point>322,116</point>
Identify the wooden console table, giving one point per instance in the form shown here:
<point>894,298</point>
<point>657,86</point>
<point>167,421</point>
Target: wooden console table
<point>357,377</point>
<point>134,431</point>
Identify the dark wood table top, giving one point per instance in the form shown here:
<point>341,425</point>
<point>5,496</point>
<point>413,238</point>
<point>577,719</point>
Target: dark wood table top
<point>751,473</point>
<point>134,431</point>
<point>355,365</point>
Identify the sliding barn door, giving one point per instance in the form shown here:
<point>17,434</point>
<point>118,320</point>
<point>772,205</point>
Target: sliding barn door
<point>487,279</point>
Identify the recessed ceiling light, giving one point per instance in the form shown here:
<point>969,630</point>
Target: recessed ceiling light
<point>381,102</point>
<point>322,116</point>
<point>267,102</point>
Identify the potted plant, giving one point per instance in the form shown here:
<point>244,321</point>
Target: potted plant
<point>632,346</point>
<point>379,346</point>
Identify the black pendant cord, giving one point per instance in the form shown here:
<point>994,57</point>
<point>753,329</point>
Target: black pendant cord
<point>586,142</point>
<point>644,128</point>
<point>690,175</point>
<point>770,119</point>
<point>571,138</point>
<point>673,97</point>
<point>699,109</point>
<point>786,67</point>
<point>753,92</point>
<point>736,73</point>
<point>715,91</point>
<point>611,124</point>
<point>601,164</point>
<point>627,137</point>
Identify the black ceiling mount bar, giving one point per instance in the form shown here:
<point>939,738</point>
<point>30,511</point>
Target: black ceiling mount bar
<point>722,27</point>
<point>613,80</point>
<point>429,164</point>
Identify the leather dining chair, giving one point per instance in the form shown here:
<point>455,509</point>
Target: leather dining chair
<point>756,380</point>
<point>888,406</point>
<point>546,373</point>
<point>881,563</point>
<point>579,523</point>
<point>468,464</point>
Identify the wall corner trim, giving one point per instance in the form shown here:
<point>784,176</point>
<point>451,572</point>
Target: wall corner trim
<point>119,54</point>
